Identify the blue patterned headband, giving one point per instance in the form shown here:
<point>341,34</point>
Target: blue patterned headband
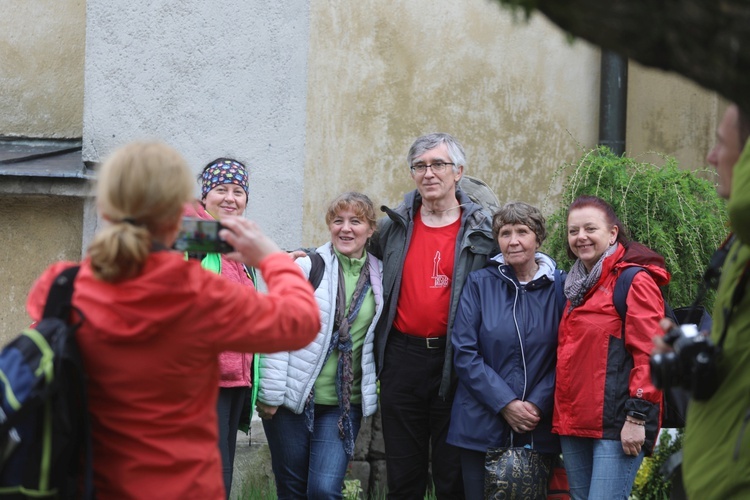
<point>223,172</point>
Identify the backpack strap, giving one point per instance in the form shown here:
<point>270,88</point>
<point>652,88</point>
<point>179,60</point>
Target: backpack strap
<point>59,304</point>
<point>622,287</point>
<point>620,295</point>
<point>317,268</point>
<point>60,294</point>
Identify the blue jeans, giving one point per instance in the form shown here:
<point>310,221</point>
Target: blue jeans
<point>309,465</point>
<point>598,468</point>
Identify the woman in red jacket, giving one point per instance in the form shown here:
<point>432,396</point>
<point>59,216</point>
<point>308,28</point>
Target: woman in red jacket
<point>154,325</point>
<point>607,411</point>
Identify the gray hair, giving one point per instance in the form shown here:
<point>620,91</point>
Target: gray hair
<point>518,212</point>
<point>431,141</point>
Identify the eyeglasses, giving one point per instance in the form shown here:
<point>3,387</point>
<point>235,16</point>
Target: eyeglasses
<point>437,168</point>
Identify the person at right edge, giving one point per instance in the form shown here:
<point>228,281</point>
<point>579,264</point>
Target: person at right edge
<point>429,244</point>
<point>716,447</point>
<point>606,410</point>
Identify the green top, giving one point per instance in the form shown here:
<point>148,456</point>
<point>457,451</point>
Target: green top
<point>325,384</point>
<point>716,449</point>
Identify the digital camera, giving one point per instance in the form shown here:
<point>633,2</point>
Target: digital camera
<point>201,237</point>
<point>690,365</point>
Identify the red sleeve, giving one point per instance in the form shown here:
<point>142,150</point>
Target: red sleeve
<point>645,309</point>
<point>284,319</point>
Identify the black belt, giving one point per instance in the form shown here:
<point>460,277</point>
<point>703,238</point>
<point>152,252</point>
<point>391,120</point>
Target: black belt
<point>424,342</point>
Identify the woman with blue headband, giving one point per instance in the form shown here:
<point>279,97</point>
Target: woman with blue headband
<point>224,191</point>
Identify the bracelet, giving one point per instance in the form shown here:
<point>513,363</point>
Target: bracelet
<point>636,422</point>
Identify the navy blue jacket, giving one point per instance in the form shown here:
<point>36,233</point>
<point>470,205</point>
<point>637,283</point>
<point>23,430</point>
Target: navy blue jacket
<point>500,327</point>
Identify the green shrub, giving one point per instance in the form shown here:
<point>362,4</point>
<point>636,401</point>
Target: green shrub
<point>672,211</point>
<point>649,483</point>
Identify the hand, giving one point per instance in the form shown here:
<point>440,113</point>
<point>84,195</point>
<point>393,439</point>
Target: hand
<point>632,437</point>
<point>297,254</point>
<point>264,411</point>
<point>661,347</point>
<point>251,245</point>
<point>522,416</point>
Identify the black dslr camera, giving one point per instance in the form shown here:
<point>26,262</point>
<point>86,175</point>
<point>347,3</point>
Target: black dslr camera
<point>691,365</point>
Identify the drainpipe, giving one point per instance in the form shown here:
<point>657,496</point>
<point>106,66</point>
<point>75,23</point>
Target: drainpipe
<point>613,101</point>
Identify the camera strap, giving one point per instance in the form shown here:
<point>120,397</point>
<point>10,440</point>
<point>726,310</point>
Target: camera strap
<point>737,296</point>
<point>713,272</point>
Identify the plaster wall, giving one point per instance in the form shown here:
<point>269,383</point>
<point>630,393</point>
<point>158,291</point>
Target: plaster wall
<point>37,231</point>
<point>211,79</point>
<point>671,115</point>
<point>518,95</point>
<point>41,68</point>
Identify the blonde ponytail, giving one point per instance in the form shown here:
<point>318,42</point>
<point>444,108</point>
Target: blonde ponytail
<point>141,190</point>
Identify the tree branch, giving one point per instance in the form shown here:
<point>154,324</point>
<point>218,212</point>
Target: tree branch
<point>707,41</point>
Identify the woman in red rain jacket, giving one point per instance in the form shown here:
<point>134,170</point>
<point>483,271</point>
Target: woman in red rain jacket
<point>607,411</point>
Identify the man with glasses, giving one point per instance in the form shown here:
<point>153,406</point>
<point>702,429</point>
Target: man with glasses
<point>429,244</point>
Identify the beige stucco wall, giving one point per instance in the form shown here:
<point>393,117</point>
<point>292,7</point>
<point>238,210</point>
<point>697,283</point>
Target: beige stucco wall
<point>41,68</point>
<point>671,115</point>
<point>37,230</point>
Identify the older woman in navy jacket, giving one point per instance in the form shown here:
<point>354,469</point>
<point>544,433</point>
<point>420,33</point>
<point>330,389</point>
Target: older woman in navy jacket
<point>504,341</point>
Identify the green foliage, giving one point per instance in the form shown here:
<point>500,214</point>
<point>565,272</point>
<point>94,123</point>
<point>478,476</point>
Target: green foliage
<point>672,211</point>
<point>528,6</point>
<point>649,483</point>
<point>352,489</point>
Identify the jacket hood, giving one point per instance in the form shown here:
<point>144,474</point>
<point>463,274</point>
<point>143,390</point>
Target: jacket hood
<point>547,265</point>
<point>637,254</point>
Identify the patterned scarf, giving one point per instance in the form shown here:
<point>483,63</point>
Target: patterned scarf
<point>579,281</point>
<point>341,339</point>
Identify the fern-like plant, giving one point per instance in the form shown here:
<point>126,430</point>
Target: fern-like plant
<point>672,211</point>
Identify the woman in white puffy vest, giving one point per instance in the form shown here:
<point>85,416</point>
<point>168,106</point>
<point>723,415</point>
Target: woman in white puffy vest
<point>312,400</point>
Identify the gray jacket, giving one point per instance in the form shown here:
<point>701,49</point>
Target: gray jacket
<point>474,246</point>
<point>287,378</point>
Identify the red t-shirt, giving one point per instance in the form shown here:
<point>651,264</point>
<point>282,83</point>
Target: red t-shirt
<point>424,300</point>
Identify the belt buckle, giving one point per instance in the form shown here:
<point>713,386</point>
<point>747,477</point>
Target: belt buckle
<point>429,345</point>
